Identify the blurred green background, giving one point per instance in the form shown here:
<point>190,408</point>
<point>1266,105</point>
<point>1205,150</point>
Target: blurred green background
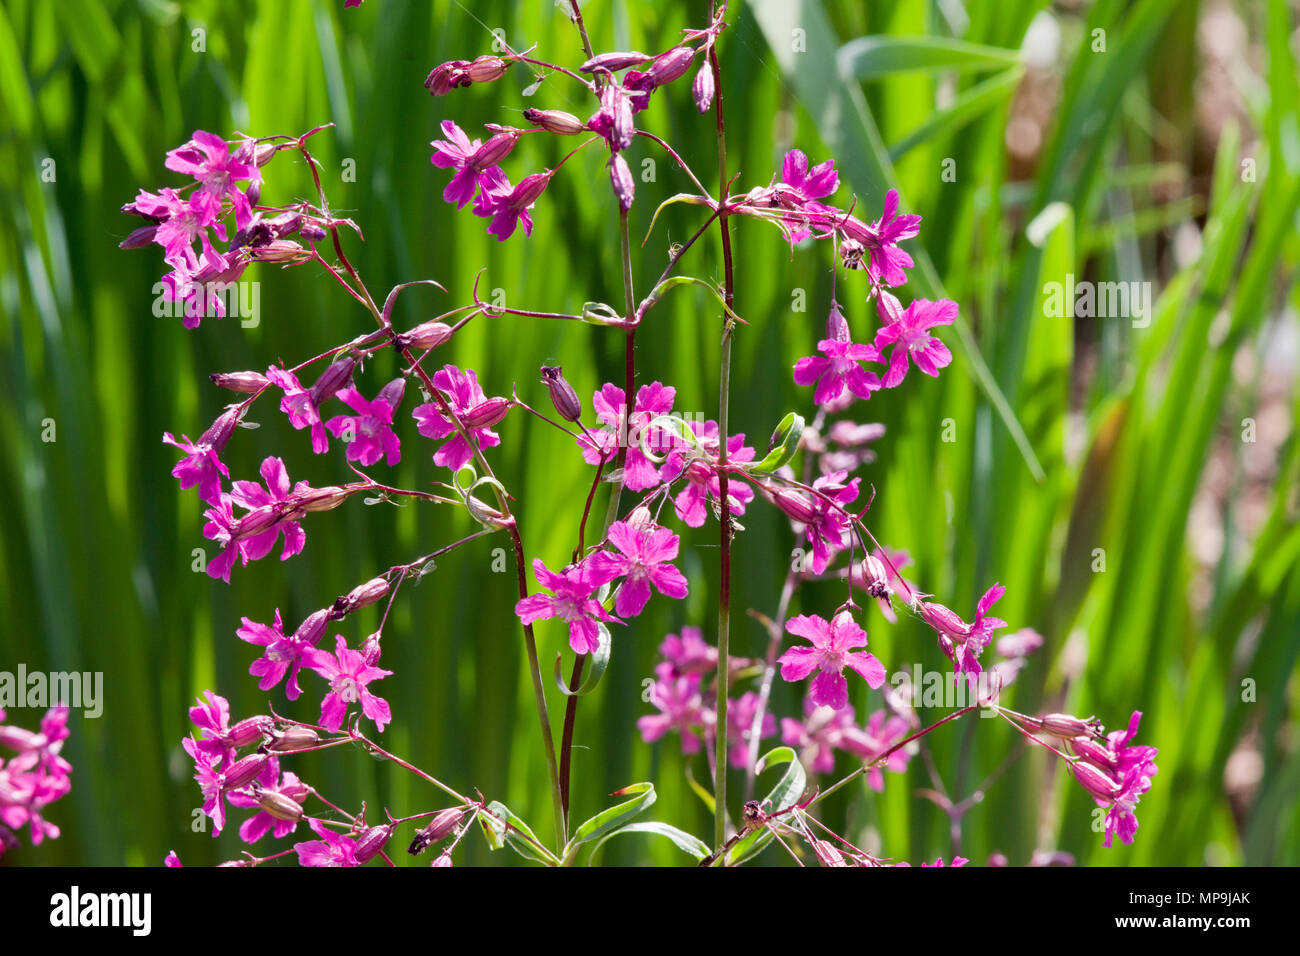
<point>1169,139</point>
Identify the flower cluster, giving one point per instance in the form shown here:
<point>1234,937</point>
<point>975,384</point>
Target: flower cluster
<point>32,778</point>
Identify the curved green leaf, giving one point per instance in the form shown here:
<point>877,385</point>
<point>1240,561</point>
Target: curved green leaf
<point>785,794</point>
<point>614,817</point>
<point>681,839</point>
<point>502,828</point>
<point>594,670</point>
<point>871,57</point>
<point>788,434</point>
<point>671,282</point>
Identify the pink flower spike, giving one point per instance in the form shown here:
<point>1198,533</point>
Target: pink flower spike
<point>643,563</point>
<point>832,651</point>
<point>348,674</point>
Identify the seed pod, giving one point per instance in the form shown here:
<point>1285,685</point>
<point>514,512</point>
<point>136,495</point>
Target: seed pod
<point>555,121</point>
<point>671,65</point>
<point>1064,725</point>
<point>249,730</point>
<point>244,771</point>
<point>486,414</point>
<point>702,88</point>
<point>563,396</point>
<point>485,69</point>
<point>293,739</point>
<point>337,376</point>
<point>613,61</point>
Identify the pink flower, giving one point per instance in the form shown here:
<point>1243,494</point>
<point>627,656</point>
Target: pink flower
<point>882,731</point>
<point>652,400</point>
<point>839,367</point>
<point>370,428</point>
<point>642,563</point>
<point>699,466</point>
<point>909,332</point>
<point>824,517</point>
<point>207,158</point>
<point>879,241</point>
<point>680,708</point>
<point>467,400</point>
<point>832,651</point>
<point>260,823</point>
<point>348,674</point>
<point>804,184</point>
<point>571,602</point>
<point>506,205</point>
<point>283,654</point>
<point>271,512</point>
<point>211,784</point>
<point>688,654</point>
<point>180,222</point>
<point>299,406</point>
<point>1136,766</point>
<point>455,152</point>
<point>200,466</point>
<point>332,849</point>
<point>818,735</point>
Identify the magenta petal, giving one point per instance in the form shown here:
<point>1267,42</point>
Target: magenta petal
<point>798,662</point>
<point>831,689</point>
<point>867,667</point>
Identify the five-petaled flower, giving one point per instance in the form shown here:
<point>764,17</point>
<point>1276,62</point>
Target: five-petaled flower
<point>840,364</point>
<point>348,674</point>
<point>832,650</point>
<point>570,601</point>
<point>642,562</point>
<point>909,332</point>
<point>655,399</point>
<point>467,402</point>
<point>370,431</point>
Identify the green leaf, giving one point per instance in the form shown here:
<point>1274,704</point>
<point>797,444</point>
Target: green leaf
<point>502,828</point>
<point>872,57</point>
<point>615,816</point>
<point>689,198</point>
<point>597,661</point>
<point>788,434</point>
<point>681,839</point>
<point>672,282</point>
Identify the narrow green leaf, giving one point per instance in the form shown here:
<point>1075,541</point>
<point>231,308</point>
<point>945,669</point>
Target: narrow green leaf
<point>615,816</point>
<point>597,661</point>
<point>871,57</point>
<point>786,441</point>
<point>681,839</point>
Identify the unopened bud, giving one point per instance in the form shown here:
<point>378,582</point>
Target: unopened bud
<point>1096,781</point>
<point>244,771</point>
<point>702,88</point>
<point>371,842</point>
<point>428,335</point>
<point>641,519</point>
<point>486,414</point>
<point>442,861</point>
<point>485,514</point>
<point>613,61</point>
<point>837,327</point>
<point>370,649</point>
<point>333,378</point>
<point>563,396</point>
<point>620,177</point>
<point>439,828</point>
<point>392,392</point>
<point>671,65</point>
<point>555,121</point>
<point>293,739</point>
<point>875,578</point>
<point>364,595</point>
<point>1064,725</point>
<point>485,69</point>
<point>247,731</point>
<point>312,627</point>
<point>246,383</point>
<point>827,855</point>
<point>139,238</point>
<point>279,806</point>
<point>529,188</point>
<point>795,505</point>
<point>219,432</point>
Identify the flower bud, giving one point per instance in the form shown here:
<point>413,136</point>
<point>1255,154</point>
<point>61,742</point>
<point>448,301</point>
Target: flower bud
<point>485,69</point>
<point>621,179</point>
<point>439,828</point>
<point>244,771</point>
<point>337,376</point>
<point>445,77</point>
<point>613,62</point>
<point>293,739</point>
<point>370,649</point>
<point>285,224</point>
<point>1096,782</point>
<point>1064,725</point>
<point>371,842</point>
<point>563,396</point>
<point>444,860</point>
<point>246,383</point>
<point>944,620</point>
<point>641,519</point>
<point>529,188</point>
<point>19,739</point>
<point>614,103</point>
<point>837,327</point>
<point>247,731</point>
<point>279,806</point>
<point>139,238</point>
<point>875,577</point>
<point>702,88</point>
<point>555,121</point>
<point>672,64</point>
<point>364,595</point>
<point>321,499</point>
<point>313,232</point>
<point>428,335</point>
<point>486,414</point>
